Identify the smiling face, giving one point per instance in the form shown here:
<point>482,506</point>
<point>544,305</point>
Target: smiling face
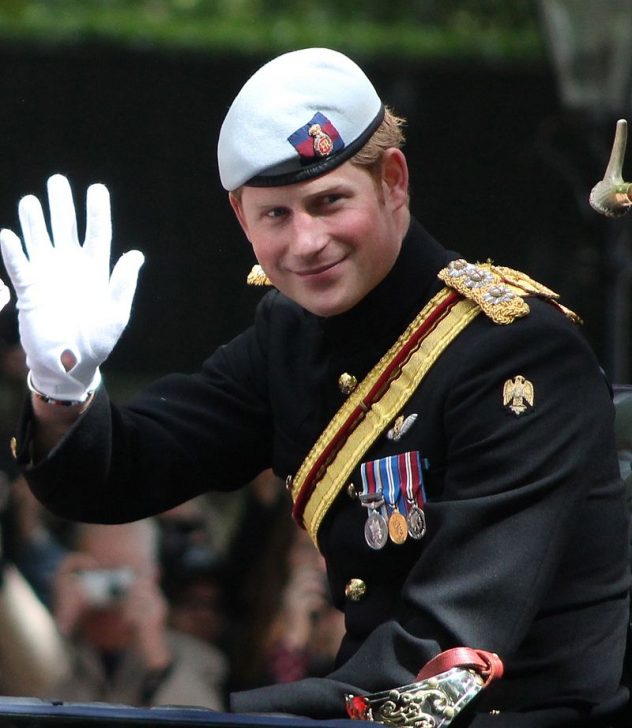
<point>328,241</point>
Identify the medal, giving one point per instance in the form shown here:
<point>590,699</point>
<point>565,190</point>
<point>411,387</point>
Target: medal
<point>376,530</point>
<point>415,498</point>
<point>397,527</point>
<point>416,522</point>
<point>393,494</point>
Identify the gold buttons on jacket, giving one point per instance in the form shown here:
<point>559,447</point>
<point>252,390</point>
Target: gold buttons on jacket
<point>347,383</point>
<point>355,590</point>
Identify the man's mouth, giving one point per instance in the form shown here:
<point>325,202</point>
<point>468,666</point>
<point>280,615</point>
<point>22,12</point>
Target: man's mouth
<point>317,270</point>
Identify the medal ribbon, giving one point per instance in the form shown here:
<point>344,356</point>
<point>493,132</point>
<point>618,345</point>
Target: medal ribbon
<point>412,479</point>
<point>389,470</point>
<point>369,483</point>
<point>399,477</point>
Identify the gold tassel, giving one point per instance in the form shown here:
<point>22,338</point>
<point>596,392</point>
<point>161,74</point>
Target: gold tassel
<point>257,277</point>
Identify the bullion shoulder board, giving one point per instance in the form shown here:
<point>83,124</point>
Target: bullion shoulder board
<point>498,291</point>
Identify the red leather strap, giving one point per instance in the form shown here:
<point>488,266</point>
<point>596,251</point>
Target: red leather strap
<point>488,664</point>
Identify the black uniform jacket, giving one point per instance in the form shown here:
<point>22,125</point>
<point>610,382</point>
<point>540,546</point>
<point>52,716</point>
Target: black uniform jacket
<point>526,546</point>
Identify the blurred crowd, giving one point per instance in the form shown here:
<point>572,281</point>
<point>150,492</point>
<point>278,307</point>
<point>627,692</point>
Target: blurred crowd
<point>222,593</point>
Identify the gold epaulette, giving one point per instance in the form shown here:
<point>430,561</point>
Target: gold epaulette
<point>498,291</point>
<point>258,277</point>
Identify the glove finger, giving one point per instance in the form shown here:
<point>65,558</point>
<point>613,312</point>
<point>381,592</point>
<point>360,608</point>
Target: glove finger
<point>15,261</point>
<point>36,239</point>
<point>123,285</point>
<point>63,218</point>
<point>98,227</point>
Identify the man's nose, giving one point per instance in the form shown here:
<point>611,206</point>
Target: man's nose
<point>309,235</point>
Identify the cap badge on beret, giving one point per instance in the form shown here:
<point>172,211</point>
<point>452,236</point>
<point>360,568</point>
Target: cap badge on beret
<point>318,138</point>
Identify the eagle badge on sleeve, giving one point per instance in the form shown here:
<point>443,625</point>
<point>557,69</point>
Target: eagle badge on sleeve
<point>518,394</point>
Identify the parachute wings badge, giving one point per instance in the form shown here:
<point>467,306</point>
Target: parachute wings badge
<point>518,394</point>
<point>400,427</point>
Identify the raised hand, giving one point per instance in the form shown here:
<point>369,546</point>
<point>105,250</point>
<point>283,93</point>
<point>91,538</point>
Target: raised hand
<point>71,309</point>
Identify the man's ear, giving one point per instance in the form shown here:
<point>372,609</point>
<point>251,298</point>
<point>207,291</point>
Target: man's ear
<point>395,179</point>
<point>239,212</point>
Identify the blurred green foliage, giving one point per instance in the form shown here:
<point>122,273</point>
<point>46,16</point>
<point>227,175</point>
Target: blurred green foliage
<point>448,29</point>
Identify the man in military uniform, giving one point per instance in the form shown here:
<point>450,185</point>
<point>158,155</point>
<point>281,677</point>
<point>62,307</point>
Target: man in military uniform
<point>444,429</point>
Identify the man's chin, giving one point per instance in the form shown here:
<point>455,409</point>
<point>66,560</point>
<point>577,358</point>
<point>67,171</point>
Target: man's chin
<point>326,309</point>
<point>324,303</point>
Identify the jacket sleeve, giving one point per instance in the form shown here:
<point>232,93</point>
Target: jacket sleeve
<point>181,436</point>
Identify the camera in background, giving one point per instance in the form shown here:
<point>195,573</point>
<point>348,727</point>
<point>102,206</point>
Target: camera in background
<point>104,586</point>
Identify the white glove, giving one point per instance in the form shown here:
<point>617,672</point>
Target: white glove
<point>68,303</point>
<point>5,295</point>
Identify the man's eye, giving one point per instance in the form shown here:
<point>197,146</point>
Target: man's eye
<point>276,212</point>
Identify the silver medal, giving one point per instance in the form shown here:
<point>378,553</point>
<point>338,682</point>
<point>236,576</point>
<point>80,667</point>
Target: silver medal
<point>376,530</point>
<point>416,520</point>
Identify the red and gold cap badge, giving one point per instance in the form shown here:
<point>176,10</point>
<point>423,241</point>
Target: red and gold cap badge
<point>318,138</point>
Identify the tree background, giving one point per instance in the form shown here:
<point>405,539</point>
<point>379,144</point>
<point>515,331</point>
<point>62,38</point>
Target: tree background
<point>133,94</point>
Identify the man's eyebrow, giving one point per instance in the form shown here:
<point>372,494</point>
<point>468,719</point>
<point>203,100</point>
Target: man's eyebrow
<point>263,205</point>
<point>332,189</point>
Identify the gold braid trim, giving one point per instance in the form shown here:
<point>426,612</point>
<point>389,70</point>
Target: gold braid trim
<point>498,290</point>
<point>523,281</point>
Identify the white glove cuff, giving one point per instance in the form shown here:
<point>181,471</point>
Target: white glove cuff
<point>96,380</point>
